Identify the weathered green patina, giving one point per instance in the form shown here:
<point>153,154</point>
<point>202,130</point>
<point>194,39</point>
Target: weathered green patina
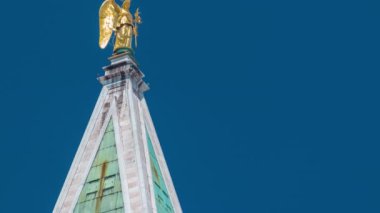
<point>102,190</point>
<point>163,202</point>
<point>127,50</point>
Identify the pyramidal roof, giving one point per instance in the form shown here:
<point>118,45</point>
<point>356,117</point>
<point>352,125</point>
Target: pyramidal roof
<point>119,166</point>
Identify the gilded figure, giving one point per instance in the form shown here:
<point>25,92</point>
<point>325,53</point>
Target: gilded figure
<point>113,18</point>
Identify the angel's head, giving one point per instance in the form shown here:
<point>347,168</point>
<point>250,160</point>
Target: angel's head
<point>126,4</point>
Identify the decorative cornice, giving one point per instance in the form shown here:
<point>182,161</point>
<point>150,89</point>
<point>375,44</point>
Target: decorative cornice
<point>123,67</point>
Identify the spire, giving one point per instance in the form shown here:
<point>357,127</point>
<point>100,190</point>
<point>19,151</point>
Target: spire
<point>119,165</point>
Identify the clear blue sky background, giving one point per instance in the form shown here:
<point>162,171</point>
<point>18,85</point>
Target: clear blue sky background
<point>260,106</point>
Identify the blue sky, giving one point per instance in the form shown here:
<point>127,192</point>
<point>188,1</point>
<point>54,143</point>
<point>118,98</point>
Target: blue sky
<point>260,106</point>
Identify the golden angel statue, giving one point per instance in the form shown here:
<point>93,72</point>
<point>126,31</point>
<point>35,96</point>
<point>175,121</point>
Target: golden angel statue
<point>112,17</point>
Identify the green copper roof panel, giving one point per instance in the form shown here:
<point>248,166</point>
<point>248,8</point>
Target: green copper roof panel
<point>102,189</point>
<point>163,202</point>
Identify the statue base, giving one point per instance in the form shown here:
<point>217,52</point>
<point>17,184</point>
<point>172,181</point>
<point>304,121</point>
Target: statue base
<point>123,52</point>
<point>127,50</point>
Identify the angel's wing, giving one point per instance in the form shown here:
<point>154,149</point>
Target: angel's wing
<point>108,14</point>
